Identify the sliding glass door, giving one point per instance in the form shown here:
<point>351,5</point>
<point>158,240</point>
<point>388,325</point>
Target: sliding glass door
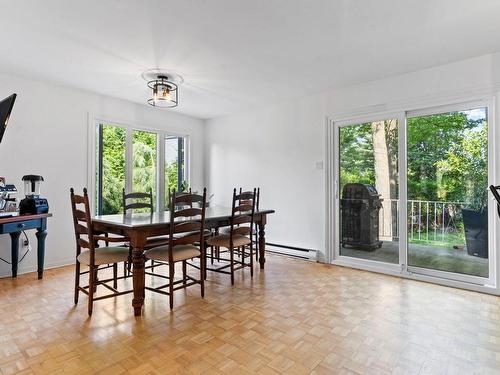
<point>447,168</point>
<point>412,193</point>
<point>369,190</point>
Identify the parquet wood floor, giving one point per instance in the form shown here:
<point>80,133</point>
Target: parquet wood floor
<point>296,317</point>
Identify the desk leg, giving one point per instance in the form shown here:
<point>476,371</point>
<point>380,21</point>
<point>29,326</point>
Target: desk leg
<point>262,242</point>
<point>40,236</point>
<point>138,279</point>
<point>14,251</point>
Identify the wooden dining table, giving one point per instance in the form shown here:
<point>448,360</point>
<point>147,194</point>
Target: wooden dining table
<point>138,227</point>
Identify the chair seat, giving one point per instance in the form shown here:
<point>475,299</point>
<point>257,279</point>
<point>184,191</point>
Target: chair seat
<point>226,230</point>
<point>105,255</point>
<point>180,252</point>
<point>206,233</point>
<point>224,239</point>
<point>153,242</point>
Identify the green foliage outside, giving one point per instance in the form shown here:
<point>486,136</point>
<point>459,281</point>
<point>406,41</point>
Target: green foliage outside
<point>113,164</point>
<point>446,161</point>
<point>144,160</point>
<point>144,163</point>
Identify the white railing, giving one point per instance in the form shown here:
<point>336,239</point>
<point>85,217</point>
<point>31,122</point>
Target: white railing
<point>429,221</point>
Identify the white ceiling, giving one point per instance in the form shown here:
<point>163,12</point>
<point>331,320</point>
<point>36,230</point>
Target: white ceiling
<point>238,54</point>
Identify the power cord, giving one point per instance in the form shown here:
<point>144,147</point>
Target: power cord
<point>26,244</point>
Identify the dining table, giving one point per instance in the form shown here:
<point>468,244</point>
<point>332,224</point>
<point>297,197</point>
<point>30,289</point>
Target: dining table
<point>138,227</point>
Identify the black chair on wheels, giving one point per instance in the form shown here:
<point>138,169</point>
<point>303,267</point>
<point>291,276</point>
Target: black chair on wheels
<point>495,191</point>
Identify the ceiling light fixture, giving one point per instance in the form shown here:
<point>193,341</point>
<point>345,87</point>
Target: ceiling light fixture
<point>165,92</point>
<point>164,85</point>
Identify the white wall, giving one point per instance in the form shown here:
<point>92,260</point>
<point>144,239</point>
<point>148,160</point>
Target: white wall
<point>278,147</point>
<point>47,135</point>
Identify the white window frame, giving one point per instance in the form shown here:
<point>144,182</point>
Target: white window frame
<point>93,123</point>
<point>373,265</point>
<point>492,253</point>
<point>488,285</point>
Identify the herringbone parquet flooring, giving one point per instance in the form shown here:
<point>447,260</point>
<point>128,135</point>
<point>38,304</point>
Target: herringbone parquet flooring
<point>296,317</point>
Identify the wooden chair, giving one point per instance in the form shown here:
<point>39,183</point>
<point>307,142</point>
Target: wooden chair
<point>255,231</point>
<point>89,254</point>
<point>187,228</point>
<point>239,237</point>
<point>141,201</point>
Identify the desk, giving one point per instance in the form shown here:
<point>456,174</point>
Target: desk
<point>138,227</point>
<point>15,225</point>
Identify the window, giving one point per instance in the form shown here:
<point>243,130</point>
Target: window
<point>130,158</point>
<point>174,165</point>
<point>110,179</point>
<point>144,162</point>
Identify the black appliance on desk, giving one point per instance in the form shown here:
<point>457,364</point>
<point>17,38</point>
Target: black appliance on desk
<point>33,203</point>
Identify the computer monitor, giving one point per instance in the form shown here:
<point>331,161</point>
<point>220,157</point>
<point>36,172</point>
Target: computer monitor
<point>5,109</point>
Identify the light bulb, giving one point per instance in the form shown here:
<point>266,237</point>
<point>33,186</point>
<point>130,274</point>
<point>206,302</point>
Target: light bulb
<point>166,94</point>
<point>155,93</point>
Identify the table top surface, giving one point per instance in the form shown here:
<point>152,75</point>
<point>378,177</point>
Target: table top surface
<point>134,220</point>
<point>13,219</point>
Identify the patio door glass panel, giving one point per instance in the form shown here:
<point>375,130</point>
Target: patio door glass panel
<point>368,191</point>
<point>447,180</point>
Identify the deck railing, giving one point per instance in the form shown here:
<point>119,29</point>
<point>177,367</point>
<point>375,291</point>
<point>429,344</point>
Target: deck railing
<point>429,221</point>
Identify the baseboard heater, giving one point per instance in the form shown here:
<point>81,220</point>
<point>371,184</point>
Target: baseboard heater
<point>293,251</point>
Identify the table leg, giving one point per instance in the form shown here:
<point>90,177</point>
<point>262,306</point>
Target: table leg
<point>138,280</point>
<point>14,251</point>
<point>40,236</point>
<point>262,242</point>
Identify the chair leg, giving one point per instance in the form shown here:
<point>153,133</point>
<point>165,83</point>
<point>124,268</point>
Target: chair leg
<point>184,272</point>
<point>251,260</point>
<point>171,267</point>
<point>92,274</point>
<point>94,281</point>
<point>152,265</point>
<point>212,254</point>
<point>256,246</point>
<point>77,280</point>
<point>115,275</point>
<point>203,274</point>
<point>231,257</point>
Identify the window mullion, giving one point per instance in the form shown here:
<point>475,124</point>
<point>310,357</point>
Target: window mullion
<point>160,171</point>
<point>128,160</point>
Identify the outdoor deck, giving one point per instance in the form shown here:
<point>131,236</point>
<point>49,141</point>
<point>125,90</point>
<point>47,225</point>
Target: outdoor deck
<point>426,256</point>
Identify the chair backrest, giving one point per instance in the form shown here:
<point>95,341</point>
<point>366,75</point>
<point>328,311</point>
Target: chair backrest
<point>242,212</point>
<point>185,194</point>
<point>257,199</point>
<point>82,222</point>
<point>187,215</point>
<point>141,201</point>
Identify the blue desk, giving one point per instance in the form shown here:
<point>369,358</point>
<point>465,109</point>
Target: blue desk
<point>15,225</point>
